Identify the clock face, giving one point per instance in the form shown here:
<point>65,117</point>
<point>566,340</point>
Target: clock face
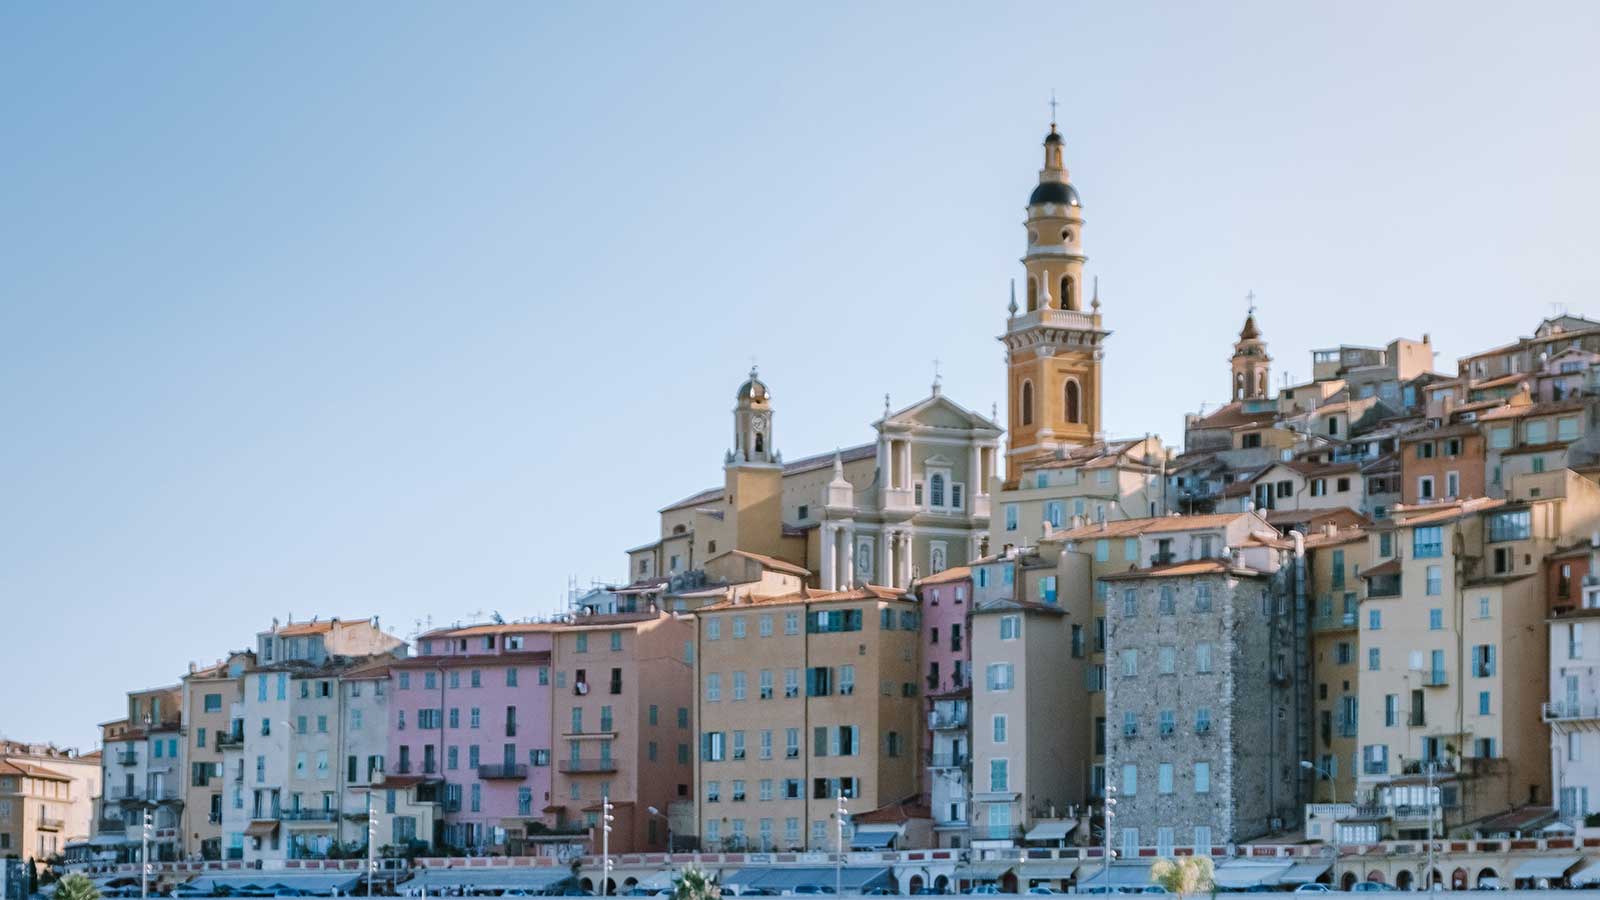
<point>761,422</point>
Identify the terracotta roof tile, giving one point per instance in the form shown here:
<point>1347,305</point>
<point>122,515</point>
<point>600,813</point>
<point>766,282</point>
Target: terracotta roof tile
<point>1177,570</point>
<point>955,573</point>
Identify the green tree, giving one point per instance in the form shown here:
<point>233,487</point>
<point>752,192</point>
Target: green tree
<point>1184,876</point>
<point>694,884</point>
<point>77,887</point>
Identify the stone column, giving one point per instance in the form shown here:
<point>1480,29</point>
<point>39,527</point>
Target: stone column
<point>883,574</point>
<point>975,485</point>
<point>828,538</point>
<point>849,555</point>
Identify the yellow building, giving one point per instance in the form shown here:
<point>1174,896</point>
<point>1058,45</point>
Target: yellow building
<point>209,695</point>
<point>1053,346</point>
<point>1102,481</point>
<point>1334,558</point>
<point>803,698</point>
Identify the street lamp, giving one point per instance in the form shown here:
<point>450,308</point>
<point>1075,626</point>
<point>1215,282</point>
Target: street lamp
<point>657,813</point>
<point>605,843</point>
<point>1333,796</point>
<point>838,862</point>
<point>144,856</point>
<point>1105,833</point>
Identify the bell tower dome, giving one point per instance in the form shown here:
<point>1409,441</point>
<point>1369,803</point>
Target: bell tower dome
<point>752,423</point>
<point>1251,365</point>
<point>1053,343</point>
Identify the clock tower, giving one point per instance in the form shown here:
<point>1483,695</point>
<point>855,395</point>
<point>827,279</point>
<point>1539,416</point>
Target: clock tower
<point>753,474</point>
<point>1053,344</point>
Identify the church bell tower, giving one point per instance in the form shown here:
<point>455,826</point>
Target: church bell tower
<point>1053,344</point>
<point>1250,362</point>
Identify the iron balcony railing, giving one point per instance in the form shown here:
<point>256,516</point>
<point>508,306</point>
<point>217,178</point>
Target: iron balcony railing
<point>587,766</point>
<point>948,760</point>
<point>127,757</point>
<point>511,770</point>
<point>50,823</point>
<point>942,719</point>
<point>309,815</point>
<point>1568,710</point>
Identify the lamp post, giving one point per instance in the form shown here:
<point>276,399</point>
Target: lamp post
<point>1433,770</point>
<point>1333,797</point>
<point>657,813</point>
<point>144,856</point>
<point>605,843</point>
<point>838,861</point>
<point>1105,834</point>
<point>372,833</point>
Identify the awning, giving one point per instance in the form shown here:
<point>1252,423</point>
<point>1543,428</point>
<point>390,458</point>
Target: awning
<point>1093,872</point>
<point>873,840</point>
<point>852,879</point>
<point>1305,872</point>
<point>311,882</point>
<point>1249,875</point>
<point>1050,830</point>
<point>1047,869</point>
<point>986,871</point>
<point>262,828</point>
<point>1589,874</point>
<point>496,879</point>
<point>1546,867</point>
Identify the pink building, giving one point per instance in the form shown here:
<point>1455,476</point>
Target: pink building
<point>946,601</point>
<point>472,711</point>
<point>946,653</point>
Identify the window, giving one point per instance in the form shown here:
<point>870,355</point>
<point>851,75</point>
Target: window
<point>998,676</point>
<point>1130,603</point>
<point>1372,659</point>
<point>998,775</point>
<point>791,623</point>
<point>1010,628</point>
<point>1168,722</point>
<point>739,687</point>
<point>713,629</point>
<point>791,683</point>
<point>1483,703</point>
<point>1202,783</point>
<point>765,685</point>
<point>1374,620</point>
<point>1202,597</point>
<point>1516,525</point>
<point>1435,581</point>
<point>713,687</point>
<point>1427,543</point>
<point>1130,663</point>
<point>1130,780</point>
<point>999,729</point>
<point>1168,602</point>
<point>1167,660</point>
<point>1202,658</point>
<point>1102,550</point>
<point>1164,778</point>
<point>1011,517</point>
<point>764,625</point>
<point>738,627</point>
<point>1027,391</point>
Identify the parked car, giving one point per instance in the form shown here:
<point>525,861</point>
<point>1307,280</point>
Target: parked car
<point>1154,889</point>
<point>879,892</point>
<point>1370,887</point>
<point>1311,887</point>
<point>984,889</point>
<point>1042,891</point>
<point>929,892</point>
<point>805,890</point>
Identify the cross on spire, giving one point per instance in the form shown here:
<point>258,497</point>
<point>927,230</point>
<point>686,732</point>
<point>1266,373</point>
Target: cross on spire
<point>1252,298</point>
<point>1052,109</point>
<point>936,379</point>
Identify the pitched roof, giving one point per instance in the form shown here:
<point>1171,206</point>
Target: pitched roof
<point>1520,411</point>
<point>705,496</point>
<point>1446,513</point>
<point>767,562</point>
<point>1178,570</point>
<point>1233,415</point>
<point>955,573</point>
<point>807,595</point>
<point>1157,525</point>
<point>15,767</point>
<point>315,626</point>
<point>1444,431</point>
<point>489,628</point>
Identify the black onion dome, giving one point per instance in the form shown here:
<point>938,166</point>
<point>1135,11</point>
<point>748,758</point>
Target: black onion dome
<point>1054,192</point>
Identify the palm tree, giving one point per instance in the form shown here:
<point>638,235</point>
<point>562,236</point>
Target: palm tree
<point>77,887</point>
<point>694,884</point>
<point>1184,876</point>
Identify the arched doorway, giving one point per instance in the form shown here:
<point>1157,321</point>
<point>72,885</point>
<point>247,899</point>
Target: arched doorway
<point>1487,878</point>
<point>1458,879</point>
<point>587,885</point>
<point>942,884</point>
<point>611,888</point>
<point>1348,881</point>
<point>1008,883</point>
<point>1402,880</point>
<point>916,883</point>
<point>629,883</point>
<point>1375,876</point>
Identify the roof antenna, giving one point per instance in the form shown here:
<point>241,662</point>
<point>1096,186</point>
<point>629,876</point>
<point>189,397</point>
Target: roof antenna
<point>936,378</point>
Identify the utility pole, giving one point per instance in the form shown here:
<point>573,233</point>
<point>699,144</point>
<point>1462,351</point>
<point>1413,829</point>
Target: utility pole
<point>372,849</point>
<point>605,843</point>
<point>144,857</point>
<point>1433,768</point>
<point>838,861</point>
<point>1105,833</point>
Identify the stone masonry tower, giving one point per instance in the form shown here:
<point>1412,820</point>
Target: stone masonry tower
<point>1251,364</point>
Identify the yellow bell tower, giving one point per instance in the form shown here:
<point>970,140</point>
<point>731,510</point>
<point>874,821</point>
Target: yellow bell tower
<point>1053,346</point>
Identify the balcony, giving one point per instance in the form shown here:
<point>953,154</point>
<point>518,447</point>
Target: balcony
<point>1346,728</point>
<point>514,771</point>
<point>1436,678</point>
<point>110,826</point>
<point>127,758</point>
<point>948,760</point>
<point>230,739</point>
<point>947,719</point>
<point>586,766</point>
<point>1570,711</point>
<point>48,823</point>
<point>309,815</point>
<point>1336,621</point>
<point>1055,318</point>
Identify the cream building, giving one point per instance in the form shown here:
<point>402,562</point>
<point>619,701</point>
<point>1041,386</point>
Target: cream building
<point>1097,482</point>
<point>802,699</point>
<point>47,798</point>
<point>1453,653</point>
<point>1030,712</point>
<point>1335,557</point>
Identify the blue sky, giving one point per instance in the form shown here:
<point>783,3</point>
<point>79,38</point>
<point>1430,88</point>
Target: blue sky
<point>418,310</point>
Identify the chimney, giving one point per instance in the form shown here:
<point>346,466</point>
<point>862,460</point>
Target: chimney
<point>1050,530</point>
<point>1330,529</point>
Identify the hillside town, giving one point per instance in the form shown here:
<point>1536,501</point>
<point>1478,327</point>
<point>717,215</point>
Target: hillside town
<point>1332,633</point>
